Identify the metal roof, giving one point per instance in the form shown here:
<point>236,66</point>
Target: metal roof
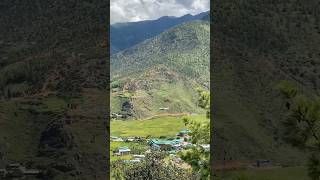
<point>165,142</point>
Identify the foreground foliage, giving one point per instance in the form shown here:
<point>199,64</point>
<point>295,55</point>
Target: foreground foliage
<point>198,157</point>
<point>302,125</point>
<point>153,167</point>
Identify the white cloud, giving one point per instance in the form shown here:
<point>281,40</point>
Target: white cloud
<point>138,10</point>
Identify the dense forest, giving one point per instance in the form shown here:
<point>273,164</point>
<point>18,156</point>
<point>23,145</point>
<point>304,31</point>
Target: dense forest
<point>53,79</point>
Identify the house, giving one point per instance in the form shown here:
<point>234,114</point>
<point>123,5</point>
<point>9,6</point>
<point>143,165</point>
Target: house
<point>184,133</point>
<point>263,163</point>
<point>187,145</point>
<point>172,152</point>
<point>206,147</point>
<point>132,139</point>
<point>162,144</point>
<point>139,156</point>
<point>116,139</point>
<point>122,151</point>
<point>132,161</point>
<point>33,172</point>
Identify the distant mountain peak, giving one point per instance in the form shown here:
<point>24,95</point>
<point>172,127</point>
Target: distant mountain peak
<point>142,30</point>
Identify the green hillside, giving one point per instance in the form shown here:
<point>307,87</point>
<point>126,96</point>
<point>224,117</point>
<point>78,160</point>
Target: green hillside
<point>256,45</point>
<point>162,72</point>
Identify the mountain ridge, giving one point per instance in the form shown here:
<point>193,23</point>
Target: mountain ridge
<point>125,35</point>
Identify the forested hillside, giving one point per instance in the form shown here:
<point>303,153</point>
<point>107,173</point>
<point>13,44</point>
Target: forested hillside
<point>258,44</point>
<point>162,72</point>
<point>53,75</point>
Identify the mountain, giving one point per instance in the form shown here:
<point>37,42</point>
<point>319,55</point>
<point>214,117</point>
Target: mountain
<point>162,72</point>
<point>52,87</point>
<point>125,35</point>
<point>256,45</point>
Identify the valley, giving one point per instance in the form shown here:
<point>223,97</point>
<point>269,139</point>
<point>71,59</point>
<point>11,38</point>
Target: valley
<point>156,87</point>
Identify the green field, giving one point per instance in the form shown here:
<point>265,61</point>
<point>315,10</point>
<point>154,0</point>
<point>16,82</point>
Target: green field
<point>288,173</point>
<point>162,126</point>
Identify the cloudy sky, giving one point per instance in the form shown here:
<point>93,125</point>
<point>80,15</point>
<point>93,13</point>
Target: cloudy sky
<point>138,10</point>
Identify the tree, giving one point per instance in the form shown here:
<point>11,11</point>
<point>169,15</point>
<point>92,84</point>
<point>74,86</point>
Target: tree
<point>153,167</point>
<point>204,100</point>
<point>198,157</point>
<point>302,125</point>
<point>117,170</point>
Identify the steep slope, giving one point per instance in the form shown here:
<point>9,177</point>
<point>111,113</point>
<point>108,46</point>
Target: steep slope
<point>162,72</point>
<point>52,87</point>
<point>258,44</point>
<point>125,35</point>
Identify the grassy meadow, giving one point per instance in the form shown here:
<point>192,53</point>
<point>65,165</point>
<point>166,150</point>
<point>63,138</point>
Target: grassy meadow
<point>160,126</point>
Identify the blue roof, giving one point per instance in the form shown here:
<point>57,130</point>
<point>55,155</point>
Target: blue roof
<point>124,149</point>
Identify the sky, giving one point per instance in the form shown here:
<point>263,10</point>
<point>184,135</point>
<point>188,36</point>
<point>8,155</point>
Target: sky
<point>139,10</point>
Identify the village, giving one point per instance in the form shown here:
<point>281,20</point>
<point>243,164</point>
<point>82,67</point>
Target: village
<point>171,146</point>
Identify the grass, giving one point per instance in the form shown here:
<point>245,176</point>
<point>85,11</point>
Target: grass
<point>288,173</point>
<point>162,126</point>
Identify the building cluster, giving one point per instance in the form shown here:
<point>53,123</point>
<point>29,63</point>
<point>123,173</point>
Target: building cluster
<point>171,146</point>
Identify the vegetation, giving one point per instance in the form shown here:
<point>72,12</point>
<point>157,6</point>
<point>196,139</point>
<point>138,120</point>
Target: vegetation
<point>198,157</point>
<point>153,167</point>
<point>163,71</point>
<point>256,44</point>
<point>302,125</point>
<point>52,87</point>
